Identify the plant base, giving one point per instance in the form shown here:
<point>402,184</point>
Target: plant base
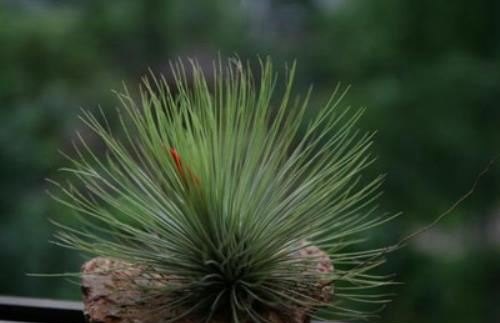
<point>112,293</point>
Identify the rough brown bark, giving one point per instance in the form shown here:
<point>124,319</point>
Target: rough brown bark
<point>111,293</point>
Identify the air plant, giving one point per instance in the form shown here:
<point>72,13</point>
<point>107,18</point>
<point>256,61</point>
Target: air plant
<point>220,183</point>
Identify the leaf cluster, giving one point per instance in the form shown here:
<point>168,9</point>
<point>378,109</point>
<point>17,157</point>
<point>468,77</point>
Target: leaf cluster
<point>219,182</point>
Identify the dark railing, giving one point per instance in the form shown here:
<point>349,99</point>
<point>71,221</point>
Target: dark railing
<point>33,310</point>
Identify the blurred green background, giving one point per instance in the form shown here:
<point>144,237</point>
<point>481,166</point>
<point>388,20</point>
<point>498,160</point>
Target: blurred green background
<point>428,71</point>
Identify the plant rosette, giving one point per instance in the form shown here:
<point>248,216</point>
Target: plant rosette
<point>216,199</point>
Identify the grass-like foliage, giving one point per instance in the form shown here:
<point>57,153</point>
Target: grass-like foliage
<point>219,181</point>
